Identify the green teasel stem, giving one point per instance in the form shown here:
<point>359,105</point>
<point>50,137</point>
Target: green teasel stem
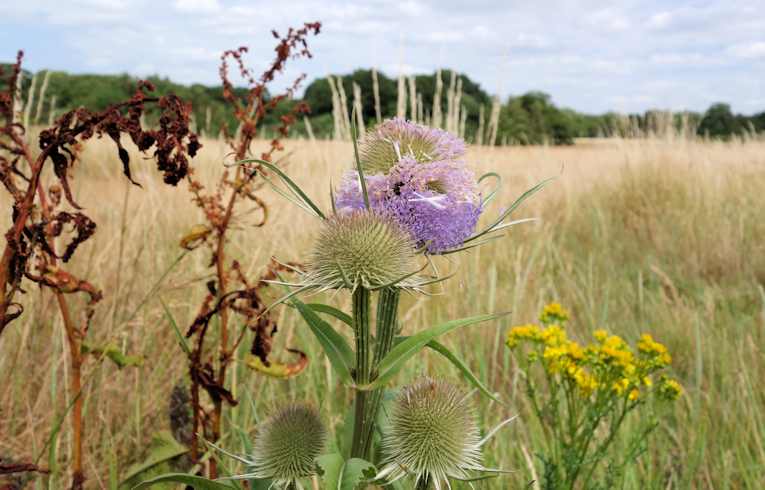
<point>362,373</point>
<point>387,315</point>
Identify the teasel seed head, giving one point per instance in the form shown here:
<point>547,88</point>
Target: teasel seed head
<point>362,249</point>
<point>286,447</point>
<point>433,435</point>
<point>287,444</point>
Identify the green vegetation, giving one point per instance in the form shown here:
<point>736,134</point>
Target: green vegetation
<point>531,118</point>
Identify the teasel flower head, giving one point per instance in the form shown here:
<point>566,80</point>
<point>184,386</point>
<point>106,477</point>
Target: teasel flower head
<point>433,436</point>
<point>362,249</point>
<point>437,203</point>
<point>286,447</point>
<point>397,138</point>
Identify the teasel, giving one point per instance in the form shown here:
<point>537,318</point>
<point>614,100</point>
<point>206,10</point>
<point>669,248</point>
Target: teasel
<point>433,436</point>
<point>286,447</point>
<point>410,196</point>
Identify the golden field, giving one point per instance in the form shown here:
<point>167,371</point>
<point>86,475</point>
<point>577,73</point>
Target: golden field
<point>664,236</point>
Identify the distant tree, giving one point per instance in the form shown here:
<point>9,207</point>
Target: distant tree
<point>532,119</point>
<point>720,122</point>
<point>758,121</point>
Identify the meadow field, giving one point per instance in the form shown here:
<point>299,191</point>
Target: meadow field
<point>665,236</point>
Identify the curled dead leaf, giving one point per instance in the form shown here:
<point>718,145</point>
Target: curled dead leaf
<point>277,369</point>
<point>196,237</point>
<point>62,281</point>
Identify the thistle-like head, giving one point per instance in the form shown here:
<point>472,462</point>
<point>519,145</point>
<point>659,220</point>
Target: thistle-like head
<point>286,447</point>
<point>287,444</point>
<point>433,435</point>
<point>362,249</point>
<point>396,138</point>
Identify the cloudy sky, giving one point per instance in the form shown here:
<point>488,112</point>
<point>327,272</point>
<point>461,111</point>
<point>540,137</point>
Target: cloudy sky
<point>589,55</point>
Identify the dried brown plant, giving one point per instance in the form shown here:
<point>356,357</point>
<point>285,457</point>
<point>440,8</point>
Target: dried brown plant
<point>231,293</point>
<point>38,217</point>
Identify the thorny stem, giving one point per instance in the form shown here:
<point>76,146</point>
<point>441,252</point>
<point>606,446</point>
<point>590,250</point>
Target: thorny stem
<point>387,314</point>
<point>362,372</point>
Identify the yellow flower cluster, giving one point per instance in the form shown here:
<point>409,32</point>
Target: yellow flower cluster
<point>608,365</point>
<point>553,313</point>
<point>655,351</point>
<point>669,389</point>
<point>523,332</point>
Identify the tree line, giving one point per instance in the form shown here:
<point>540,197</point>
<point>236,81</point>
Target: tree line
<point>530,118</point>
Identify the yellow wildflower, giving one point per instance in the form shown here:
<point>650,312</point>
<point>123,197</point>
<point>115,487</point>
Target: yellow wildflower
<point>634,394</point>
<point>621,386</point>
<point>658,354</point>
<point>553,313</point>
<point>585,381</point>
<point>553,335</point>
<point>575,350</point>
<point>522,332</point>
<point>670,389</point>
<point>600,335</point>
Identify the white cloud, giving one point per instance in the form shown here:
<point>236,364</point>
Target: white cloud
<point>412,8</point>
<point>588,54</point>
<point>755,50</point>
<point>197,6</point>
<point>661,20</point>
<point>609,20</point>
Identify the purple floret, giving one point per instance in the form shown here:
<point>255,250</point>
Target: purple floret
<point>438,222</point>
<point>436,201</point>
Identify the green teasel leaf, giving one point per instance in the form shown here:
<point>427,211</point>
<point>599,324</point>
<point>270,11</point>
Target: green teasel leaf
<point>397,357</point>
<point>332,311</point>
<point>162,451</point>
<point>355,472</point>
<point>339,474</point>
<point>291,185</point>
<point>335,346</point>
<point>196,482</point>
<point>330,468</point>
<point>462,367</point>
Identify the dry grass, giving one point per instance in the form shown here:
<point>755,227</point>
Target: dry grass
<point>667,237</point>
